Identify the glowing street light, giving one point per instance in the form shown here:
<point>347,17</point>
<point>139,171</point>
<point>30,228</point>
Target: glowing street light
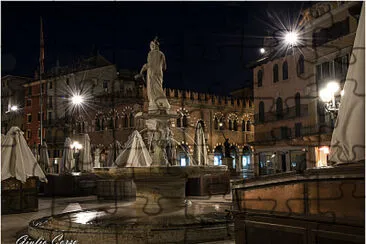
<point>291,38</point>
<point>76,145</point>
<point>328,96</point>
<point>262,50</point>
<point>14,108</point>
<point>333,87</point>
<point>325,95</point>
<point>77,100</point>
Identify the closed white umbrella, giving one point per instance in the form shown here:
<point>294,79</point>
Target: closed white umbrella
<point>348,139</point>
<point>135,153</point>
<point>200,149</point>
<point>85,154</point>
<point>116,149</point>
<point>17,159</point>
<point>2,138</point>
<point>44,159</point>
<point>67,157</point>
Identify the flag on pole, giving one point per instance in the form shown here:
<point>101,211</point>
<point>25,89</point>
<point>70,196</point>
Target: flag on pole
<point>41,54</point>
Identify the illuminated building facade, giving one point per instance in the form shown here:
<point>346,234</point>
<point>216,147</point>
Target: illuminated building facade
<point>291,124</point>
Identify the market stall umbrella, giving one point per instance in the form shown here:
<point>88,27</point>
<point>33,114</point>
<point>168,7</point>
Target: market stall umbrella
<point>35,151</point>
<point>44,159</point>
<point>348,139</point>
<point>116,149</point>
<point>200,148</point>
<point>135,153</point>
<point>17,160</point>
<point>67,157</point>
<point>85,154</point>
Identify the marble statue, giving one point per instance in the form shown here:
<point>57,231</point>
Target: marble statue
<point>154,68</point>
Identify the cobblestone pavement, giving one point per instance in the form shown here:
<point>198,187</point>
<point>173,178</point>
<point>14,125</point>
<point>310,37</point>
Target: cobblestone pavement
<point>15,225</point>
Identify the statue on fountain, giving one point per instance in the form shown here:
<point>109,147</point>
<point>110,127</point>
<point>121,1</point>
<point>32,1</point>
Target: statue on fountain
<point>154,68</point>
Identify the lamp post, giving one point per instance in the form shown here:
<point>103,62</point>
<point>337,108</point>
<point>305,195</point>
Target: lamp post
<point>76,146</point>
<point>330,96</point>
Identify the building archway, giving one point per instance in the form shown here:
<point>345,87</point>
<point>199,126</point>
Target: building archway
<point>218,155</point>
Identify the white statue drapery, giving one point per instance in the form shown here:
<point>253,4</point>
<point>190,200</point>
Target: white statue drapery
<point>154,67</point>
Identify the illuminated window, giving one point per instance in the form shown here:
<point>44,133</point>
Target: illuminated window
<point>183,161</point>
<point>217,160</point>
<point>321,156</point>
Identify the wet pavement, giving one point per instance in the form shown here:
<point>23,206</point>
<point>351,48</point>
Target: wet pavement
<point>15,225</point>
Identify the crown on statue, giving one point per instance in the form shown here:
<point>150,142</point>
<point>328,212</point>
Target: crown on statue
<point>156,42</point>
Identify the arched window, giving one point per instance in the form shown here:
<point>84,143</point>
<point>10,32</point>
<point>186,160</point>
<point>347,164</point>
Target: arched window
<point>221,123</point>
<point>216,123</point>
<point>116,122</point>
<point>279,108</point>
<point>182,153</point>
<point>260,77</point>
<point>301,65</point>
<point>297,104</point>
<point>125,121</point>
<point>185,121</point>
<point>285,70</point>
<point>248,125</point>
<point>234,155</point>
<point>261,111</point>
<point>103,124</point>
<point>230,124</point>
<point>111,123</point>
<point>218,154</point>
<point>275,73</point>
<point>243,125</point>
<point>179,124</point>
<point>132,120</point>
<point>97,124</point>
<point>235,125</point>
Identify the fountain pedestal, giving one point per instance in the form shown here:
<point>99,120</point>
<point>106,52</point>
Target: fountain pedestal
<point>228,161</point>
<point>159,190</point>
<point>158,135</point>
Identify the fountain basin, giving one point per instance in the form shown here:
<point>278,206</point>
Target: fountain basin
<point>196,223</point>
<point>158,171</point>
<point>159,189</point>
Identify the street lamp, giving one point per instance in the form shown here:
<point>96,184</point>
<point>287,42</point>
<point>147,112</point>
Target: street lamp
<point>14,108</point>
<point>76,146</point>
<point>328,96</point>
<point>77,100</point>
<point>291,38</point>
<point>262,50</point>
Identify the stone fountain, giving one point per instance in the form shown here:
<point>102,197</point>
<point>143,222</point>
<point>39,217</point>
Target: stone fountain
<point>161,212</point>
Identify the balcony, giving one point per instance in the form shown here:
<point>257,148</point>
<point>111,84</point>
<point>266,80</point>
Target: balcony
<point>276,134</point>
<point>288,113</point>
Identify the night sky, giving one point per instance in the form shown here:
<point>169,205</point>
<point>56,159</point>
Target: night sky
<point>207,44</point>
